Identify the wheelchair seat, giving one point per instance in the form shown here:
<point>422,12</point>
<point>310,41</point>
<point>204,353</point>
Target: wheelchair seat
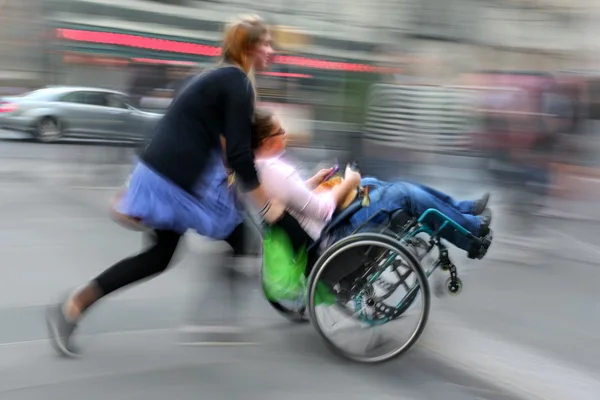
<point>342,216</point>
<point>400,220</point>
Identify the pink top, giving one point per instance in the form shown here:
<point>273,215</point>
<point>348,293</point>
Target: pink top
<point>283,182</point>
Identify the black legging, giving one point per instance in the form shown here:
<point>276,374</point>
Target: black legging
<point>155,260</point>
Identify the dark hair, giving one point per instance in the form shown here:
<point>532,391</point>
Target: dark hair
<point>261,126</point>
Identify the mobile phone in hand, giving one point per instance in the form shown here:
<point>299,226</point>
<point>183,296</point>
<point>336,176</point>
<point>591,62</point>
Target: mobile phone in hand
<point>334,171</point>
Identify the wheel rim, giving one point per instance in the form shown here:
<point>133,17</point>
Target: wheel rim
<point>423,290</point>
<point>49,129</point>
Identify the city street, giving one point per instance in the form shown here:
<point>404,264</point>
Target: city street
<point>524,326</point>
<point>134,342</point>
<point>462,102</point>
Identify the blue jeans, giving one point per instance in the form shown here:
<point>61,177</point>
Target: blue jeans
<point>415,199</point>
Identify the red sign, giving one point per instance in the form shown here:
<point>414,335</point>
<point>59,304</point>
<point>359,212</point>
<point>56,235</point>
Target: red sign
<point>147,43</point>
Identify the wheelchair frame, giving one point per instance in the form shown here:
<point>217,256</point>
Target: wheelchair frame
<point>402,238</point>
<point>408,235</point>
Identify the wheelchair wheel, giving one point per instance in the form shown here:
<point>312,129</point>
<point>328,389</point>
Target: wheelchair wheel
<point>398,235</point>
<point>347,280</point>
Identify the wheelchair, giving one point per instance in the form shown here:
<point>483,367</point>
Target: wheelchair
<point>362,271</point>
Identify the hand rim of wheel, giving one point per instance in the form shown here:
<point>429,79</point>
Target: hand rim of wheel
<point>371,239</point>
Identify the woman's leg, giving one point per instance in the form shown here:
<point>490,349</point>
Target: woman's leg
<point>416,201</point>
<point>235,278</point>
<point>419,201</point>
<point>465,206</point>
<point>237,240</point>
<point>221,307</point>
<point>145,265</point>
<point>63,319</point>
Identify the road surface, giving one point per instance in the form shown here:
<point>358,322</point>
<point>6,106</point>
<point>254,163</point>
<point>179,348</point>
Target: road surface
<point>519,329</point>
<point>135,346</point>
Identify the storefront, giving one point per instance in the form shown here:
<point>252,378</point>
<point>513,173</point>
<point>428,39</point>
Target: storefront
<point>143,46</point>
<point>143,65</point>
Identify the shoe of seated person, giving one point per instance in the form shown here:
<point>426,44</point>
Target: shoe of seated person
<point>486,220</point>
<point>481,204</point>
<point>477,251</point>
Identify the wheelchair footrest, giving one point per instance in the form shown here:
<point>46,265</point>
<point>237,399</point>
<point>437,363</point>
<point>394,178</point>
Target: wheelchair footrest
<point>480,248</point>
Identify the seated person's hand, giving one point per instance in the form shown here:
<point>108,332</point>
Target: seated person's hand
<point>351,182</point>
<point>328,185</point>
<point>352,176</point>
<point>319,177</point>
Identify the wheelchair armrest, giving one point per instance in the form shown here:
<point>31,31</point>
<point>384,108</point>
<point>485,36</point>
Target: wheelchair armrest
<point>341,217</point>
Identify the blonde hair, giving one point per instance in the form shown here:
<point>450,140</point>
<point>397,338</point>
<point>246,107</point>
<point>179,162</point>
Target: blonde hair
<point>239,38</point>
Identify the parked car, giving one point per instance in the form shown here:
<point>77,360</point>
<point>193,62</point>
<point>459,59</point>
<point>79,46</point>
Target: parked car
<point>53,113</point>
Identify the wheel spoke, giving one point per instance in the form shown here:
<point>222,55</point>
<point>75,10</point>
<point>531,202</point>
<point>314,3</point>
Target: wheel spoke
<point>369,306</point>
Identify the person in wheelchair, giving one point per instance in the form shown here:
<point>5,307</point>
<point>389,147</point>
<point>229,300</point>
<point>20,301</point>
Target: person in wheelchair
<point>314,202</point>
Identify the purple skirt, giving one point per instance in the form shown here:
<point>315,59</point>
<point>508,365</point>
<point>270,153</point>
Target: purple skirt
<point>211,209</point>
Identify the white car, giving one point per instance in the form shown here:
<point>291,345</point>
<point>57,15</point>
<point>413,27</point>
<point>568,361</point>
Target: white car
<point>54,113</point>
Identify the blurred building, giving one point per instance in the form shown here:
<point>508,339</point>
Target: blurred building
<point>336,48</point>
<point>510,32</point>
<point>22,40</point>
<point>500,34</point>
<point>155,30</point>
<point>132,45</point>
<point>516,33</point>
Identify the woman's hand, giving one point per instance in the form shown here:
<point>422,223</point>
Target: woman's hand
<point>318,178</point>
<point>352,176</point>
<point>273,212</point>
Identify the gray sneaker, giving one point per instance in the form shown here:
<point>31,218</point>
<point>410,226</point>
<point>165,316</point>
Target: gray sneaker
<point>61,330</point>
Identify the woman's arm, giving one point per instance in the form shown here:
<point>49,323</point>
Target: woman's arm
<point>311,183</point>
<point>318,178</point>
<point>297,196</point>
<point>239,96</point>
<point>291,190</point>
<point>340,192</point>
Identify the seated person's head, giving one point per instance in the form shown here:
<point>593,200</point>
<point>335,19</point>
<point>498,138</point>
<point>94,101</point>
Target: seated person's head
<point>268,136</point>
<point>269,139</point>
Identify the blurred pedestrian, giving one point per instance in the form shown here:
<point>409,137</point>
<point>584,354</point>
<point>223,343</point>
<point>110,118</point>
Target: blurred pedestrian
<point>180,181</point>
